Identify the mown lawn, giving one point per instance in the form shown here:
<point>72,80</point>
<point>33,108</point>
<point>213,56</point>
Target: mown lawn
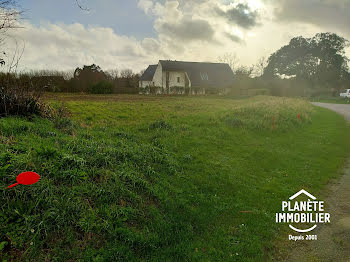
<point>136,178</point>
<point>332,100</point>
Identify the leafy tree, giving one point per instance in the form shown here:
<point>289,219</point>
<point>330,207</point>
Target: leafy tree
<point>87,76</point>
<point>92,73</point>
<point>320,59</point>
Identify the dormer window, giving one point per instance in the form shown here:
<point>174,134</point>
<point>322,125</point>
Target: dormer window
<point>204,76</point>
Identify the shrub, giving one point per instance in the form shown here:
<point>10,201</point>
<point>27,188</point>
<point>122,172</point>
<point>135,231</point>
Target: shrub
<point>102,87</point>
<point>20,96</point>
<point>177,90</point>
<point>22,102</point>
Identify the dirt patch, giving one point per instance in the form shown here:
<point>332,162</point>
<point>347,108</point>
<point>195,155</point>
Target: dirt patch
<point>333,242</point>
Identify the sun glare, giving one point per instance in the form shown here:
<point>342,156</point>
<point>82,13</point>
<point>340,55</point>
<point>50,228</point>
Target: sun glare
<point>254,4</point>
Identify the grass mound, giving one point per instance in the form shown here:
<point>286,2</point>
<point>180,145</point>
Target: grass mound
<point>259,112</point>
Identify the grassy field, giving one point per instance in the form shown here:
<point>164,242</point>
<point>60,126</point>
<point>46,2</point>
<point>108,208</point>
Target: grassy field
<point>333,100</point>
<point>136,178</point>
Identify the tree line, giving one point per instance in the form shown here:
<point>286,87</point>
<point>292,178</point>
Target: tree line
<point>87,79</point>
<point>305,67</point>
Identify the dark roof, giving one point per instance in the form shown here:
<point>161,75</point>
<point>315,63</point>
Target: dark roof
<point>149,73</point>
<point>214,75</point>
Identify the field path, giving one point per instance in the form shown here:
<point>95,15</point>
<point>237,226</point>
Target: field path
<point>333,242</point>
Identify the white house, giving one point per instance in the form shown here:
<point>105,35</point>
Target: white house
<point>177,77</point>
<point>146,79</point>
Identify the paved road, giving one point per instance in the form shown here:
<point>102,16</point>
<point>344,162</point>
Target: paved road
<point>339,108</point>
<point>333,242</point>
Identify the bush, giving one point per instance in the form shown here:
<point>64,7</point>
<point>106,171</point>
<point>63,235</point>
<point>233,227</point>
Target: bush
<point>21,96</point>
<point>22,102</point>
<point>102,87</point>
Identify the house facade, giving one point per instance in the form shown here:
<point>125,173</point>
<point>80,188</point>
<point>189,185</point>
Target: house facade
<point>177,77</point>
<point>146,79</point>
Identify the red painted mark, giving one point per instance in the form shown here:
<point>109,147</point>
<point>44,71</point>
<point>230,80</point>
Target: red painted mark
<point>274,120</point>
<point>26,178</point>
<point>298,116</point>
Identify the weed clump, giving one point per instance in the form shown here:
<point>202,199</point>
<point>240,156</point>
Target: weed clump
<point>21,102</point>
<point>160,124</point>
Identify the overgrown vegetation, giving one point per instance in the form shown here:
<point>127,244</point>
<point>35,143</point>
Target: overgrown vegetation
<point>138,179</point>
<point>101,88</point>
<point>19,97</point>
<point>259,114</point>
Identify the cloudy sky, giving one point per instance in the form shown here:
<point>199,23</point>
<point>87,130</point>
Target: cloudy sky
<point>118,34</point>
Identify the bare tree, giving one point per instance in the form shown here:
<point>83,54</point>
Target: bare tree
<point>260,66</point>
<point>126,73</point>
<point>9,15</point>
<point>84,8</point>
<point>112,73</point>
<point>242,72</point>
<point>13,62</point>
<point>9,19</point>
<point>231,59</point>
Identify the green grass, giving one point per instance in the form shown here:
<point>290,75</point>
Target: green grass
<point>333,100</point>
<point>135,178</point>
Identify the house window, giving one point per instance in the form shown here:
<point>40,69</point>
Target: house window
<point>178,79</point>
<point>204,76</point>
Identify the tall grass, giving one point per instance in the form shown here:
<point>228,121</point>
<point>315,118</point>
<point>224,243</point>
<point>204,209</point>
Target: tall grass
<point>258,113</point>
<point>19,97</point>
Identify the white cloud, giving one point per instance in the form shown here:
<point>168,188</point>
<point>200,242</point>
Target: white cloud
<point>188,30</point>
<point>63,47</point>
<point>145,5</point>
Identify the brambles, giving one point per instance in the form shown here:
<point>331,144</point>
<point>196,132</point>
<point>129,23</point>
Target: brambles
<point>19,97</point>
<point>18,101</point>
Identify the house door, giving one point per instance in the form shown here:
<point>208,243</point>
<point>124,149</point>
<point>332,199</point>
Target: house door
<point>167,81</point>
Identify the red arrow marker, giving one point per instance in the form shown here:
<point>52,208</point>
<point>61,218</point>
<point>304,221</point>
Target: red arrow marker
<point>26,178</point>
